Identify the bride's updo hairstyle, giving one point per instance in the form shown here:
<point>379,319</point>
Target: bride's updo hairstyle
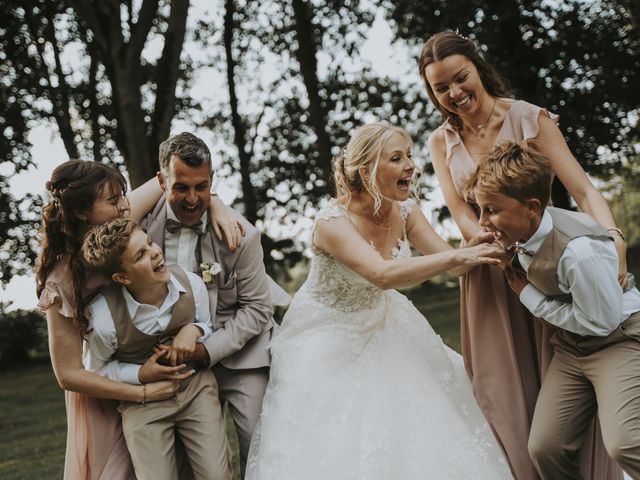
<point>443,45</point>
<point>362,154</point>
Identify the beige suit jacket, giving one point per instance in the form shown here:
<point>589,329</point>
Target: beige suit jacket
<point>241,308</point>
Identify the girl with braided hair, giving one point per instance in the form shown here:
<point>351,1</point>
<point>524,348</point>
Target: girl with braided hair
<point>83,194</point>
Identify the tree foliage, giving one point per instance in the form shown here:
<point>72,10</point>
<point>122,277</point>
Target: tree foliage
<point>578,59</point>
<point>112,76</point>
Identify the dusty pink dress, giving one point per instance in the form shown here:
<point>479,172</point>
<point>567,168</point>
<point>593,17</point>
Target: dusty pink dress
<point>506,350</point>
<point>96,448</point>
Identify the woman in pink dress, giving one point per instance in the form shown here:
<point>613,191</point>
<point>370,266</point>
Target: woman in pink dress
<point>85,194</point>
<point>506,351</point>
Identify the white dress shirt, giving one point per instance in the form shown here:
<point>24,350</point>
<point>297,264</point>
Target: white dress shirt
<point>588,270</point>
<point>103,341</point>
<point>180,247</point>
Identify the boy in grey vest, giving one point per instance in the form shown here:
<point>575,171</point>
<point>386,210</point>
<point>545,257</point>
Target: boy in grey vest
<point>565,270</point>
<point>147,303</point>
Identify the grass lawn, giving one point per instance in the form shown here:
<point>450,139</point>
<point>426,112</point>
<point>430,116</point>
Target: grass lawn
<point>32,413</point>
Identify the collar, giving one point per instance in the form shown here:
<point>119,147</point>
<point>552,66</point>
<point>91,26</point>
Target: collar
<point>174,290</point>
<point>203,218</point>
<point>545,227</point>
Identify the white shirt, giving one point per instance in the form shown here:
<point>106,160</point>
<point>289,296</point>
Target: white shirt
<point>146,318</point>
<point>180,247</point>
<point>588,270</point>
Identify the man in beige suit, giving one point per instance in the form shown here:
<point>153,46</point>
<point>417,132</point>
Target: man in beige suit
<point>237,283</point>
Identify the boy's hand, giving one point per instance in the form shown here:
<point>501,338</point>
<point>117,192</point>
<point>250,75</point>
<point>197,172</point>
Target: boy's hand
<point>152,371</point>
<point>199,354</point>
<point>184,344</point>
<point>516,278</point>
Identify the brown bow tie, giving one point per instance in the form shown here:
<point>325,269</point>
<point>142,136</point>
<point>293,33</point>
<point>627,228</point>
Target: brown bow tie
<point>173,226</point>
<point>515,249</point>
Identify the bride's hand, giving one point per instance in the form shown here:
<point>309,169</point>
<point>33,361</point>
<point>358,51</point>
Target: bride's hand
<point>488,253</point>
<point>224,220</point>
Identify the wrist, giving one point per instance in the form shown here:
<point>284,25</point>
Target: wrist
<point>616,232</point>
<point>144,394</point>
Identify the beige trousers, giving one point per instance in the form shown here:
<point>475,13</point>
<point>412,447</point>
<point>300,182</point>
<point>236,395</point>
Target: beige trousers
<point>243,390</point>
<point>589,375</point>
<point>195,416</point>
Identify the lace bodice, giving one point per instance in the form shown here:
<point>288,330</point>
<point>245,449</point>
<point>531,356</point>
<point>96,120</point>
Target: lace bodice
<point>333,284</point>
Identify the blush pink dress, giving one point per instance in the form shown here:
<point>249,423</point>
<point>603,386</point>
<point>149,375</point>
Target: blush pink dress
<point>96,449</point>
<point>506,351</point>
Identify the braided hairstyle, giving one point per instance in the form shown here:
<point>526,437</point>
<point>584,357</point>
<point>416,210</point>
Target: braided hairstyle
<point>74,187</point>
<point>364,149</point>
<point>443,45</point>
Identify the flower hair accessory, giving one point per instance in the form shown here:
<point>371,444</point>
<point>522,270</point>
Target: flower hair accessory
<point>209,270</point>
<point>457,32</point>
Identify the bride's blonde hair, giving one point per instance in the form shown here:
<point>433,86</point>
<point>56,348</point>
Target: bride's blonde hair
<point>364,149</point>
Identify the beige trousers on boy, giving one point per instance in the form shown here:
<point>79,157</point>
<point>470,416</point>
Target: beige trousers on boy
<point>589,375</point>
<point>194,415</point>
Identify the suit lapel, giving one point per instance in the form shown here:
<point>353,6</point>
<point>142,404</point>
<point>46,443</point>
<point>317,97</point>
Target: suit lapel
<point>208,256</point>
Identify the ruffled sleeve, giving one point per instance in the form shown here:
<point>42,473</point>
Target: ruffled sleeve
<point>452,141</point>
<point>529,119</point>
<point>58,291</point>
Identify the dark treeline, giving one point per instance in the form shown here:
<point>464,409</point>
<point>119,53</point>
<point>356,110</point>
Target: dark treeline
<point>579,59</point>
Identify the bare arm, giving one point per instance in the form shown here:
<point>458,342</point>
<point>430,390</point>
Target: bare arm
<point>338,238</point>
<point>462,213</point>
<point>65,348</point>
<point>552,144</point>
<point>144,198</point>
<point>425,239</point>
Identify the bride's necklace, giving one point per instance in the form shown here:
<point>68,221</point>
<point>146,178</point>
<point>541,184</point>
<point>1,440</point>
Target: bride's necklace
<point>479,130</point>
<point>385,225</point>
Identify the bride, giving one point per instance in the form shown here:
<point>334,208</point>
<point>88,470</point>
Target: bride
<point>361,387</point>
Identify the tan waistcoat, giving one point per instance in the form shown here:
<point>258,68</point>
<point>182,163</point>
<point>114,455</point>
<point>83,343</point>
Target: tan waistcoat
<point>135,346</point>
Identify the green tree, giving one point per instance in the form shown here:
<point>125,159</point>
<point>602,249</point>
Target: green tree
<point>111,103</point>
<point>579,59</point>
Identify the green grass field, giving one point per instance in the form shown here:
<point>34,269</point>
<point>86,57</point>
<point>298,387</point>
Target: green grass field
<point>32,413</point>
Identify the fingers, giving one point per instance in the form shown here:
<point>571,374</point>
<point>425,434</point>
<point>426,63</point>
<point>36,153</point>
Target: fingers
<point>622,279</point>
<point>489,260</point>
<point>183,375</point>
<point>157,353</point>
<point>173,357</point>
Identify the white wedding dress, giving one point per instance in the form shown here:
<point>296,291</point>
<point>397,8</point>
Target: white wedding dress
<point>362,388</point>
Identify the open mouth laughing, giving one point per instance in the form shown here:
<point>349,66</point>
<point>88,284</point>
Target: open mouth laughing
<point>160,268</point>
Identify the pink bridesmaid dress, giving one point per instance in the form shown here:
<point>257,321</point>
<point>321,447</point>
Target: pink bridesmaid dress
<point>506,350</point>
<point>96,448</point>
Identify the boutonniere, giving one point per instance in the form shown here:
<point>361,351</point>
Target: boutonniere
<point>209,270</point>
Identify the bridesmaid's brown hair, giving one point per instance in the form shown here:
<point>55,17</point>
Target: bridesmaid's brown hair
<point>443,45</point>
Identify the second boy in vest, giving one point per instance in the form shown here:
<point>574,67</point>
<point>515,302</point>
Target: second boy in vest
<point>147,303</point>
<point>565,271</point>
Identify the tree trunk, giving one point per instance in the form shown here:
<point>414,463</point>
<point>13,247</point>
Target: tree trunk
<point>306,56</point>
<point>239,125</point>
<point>168,73</point>
<point>136,140</point>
